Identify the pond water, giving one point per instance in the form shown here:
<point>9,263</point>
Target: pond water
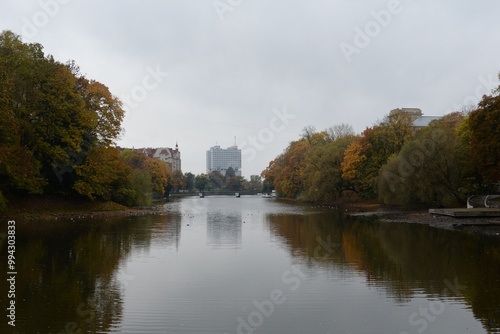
<point>251,265</point>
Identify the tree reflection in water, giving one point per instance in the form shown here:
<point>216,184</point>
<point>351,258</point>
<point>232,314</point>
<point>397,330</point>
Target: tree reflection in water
<point>402,259</point>
<point>68,278</point>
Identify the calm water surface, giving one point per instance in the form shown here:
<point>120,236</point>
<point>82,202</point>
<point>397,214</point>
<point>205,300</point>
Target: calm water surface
<point>251,265</point>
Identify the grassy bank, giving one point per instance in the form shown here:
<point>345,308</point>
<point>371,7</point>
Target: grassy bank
<point>179,195</point>
<point>41,207</point>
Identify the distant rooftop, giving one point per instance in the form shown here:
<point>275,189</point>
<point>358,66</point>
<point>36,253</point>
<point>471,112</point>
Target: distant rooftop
<point>416,115</point>
<point>424,121</point>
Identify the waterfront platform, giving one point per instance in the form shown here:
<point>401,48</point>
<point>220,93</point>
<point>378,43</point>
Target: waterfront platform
<point>467,213</point>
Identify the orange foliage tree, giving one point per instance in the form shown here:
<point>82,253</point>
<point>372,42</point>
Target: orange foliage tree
<point>365,156</point>
<point>286,170</point>
<point>310,167</point>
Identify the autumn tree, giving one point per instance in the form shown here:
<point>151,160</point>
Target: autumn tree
<point>178,180</point>
<point>365,156</point>
<point>323,180</point>
<point>484,127</point>
<point>104,111</point>
<point>102,174</point>
<point>19,168</point>
<point>148,177</point>
<point>160,174</point>
<point>45,113</point>
<point>431,170</point>
<point>288,178</point>
<point>139,193</point>
<point>309,166</point>
<point>271,172</point>
<point>56,127</point>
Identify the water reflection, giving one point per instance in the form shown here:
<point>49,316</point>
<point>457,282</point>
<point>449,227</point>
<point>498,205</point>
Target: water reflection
<point>68,280</point>
<point>178,273</point>
<point>224,230</point>
<point>403,260</point>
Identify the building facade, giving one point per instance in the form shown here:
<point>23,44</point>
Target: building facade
<point>414,113</point>
<point>219,159</point>
<point>166,154</point>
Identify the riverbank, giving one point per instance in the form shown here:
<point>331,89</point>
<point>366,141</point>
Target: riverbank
<point>55,207</point>
<point>33,208</point>
<point>488,226</point>
<point>396,214</point>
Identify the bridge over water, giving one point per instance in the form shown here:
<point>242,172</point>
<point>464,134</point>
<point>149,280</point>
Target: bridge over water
<point>228,193</point>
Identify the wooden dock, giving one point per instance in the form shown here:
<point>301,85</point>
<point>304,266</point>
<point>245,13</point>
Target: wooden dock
<point>467,213</point>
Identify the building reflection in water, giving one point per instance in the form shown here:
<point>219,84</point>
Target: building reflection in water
<point>224,230</point>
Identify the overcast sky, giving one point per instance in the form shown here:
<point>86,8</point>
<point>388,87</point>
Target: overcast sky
<point>204,72</point>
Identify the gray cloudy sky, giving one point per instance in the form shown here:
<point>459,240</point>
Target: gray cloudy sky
<point>261,70</point>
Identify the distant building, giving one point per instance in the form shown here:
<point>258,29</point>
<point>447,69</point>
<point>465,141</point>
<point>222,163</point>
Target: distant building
<point>418,119</point>
<point>413,112</point>
<point>424,121</point>
<point>219,159</point>
<point>165,154</point>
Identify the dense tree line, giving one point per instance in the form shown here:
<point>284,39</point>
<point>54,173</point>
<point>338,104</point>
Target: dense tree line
<point>311,167</point>
<point>440,165</point>
<point>58,131</point>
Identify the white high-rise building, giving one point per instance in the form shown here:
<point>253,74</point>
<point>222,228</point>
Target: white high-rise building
<point>220,159</point>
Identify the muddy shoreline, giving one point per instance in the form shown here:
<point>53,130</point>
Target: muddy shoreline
<point>80,215</point>
<point>49,208</point>
<point>488,226</point>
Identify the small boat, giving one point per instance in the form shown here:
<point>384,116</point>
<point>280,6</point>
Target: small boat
<point>267,196</point>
